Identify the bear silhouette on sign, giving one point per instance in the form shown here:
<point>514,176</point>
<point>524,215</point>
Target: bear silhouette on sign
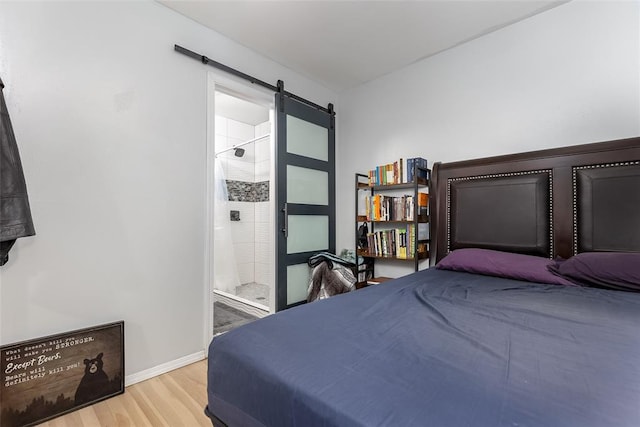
<point>94,383</point>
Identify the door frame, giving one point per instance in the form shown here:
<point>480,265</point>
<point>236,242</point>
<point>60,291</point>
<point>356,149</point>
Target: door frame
<point>262,96</point>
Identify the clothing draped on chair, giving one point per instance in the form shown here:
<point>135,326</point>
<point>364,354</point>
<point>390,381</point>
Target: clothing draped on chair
<point>331,276</point>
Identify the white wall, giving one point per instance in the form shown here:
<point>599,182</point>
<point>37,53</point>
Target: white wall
<point>567,76</point>
<point>111,127</point>
<point>251,235</point>
<point>264,233</point>
<point>110,123</point>
<point>231,132</point>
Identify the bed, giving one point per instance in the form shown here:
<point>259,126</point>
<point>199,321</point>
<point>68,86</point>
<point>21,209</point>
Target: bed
<point>502,333</point>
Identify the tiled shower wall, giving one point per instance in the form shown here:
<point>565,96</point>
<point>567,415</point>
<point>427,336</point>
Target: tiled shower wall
<point>264,261</point>
<point>248,187</point>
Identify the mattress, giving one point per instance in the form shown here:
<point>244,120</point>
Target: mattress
<point>436,348</point>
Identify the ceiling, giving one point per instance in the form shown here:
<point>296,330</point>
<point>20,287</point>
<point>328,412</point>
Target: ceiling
<point>342,44</point>
<point>240,110</point>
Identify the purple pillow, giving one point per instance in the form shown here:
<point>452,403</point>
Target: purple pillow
<point>611,270</point>
<point>502,264</point>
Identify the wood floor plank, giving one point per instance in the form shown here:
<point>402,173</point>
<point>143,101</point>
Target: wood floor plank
<point>174,399</point>
<point>123,417</point>
<point>142,401</point>
<point>194,382</point>
<point>189,408</point>
<point>89,417</point>
<point>72,419</point>
<point>104,414</point>
<point>161,401</point>
<point>128,409</point>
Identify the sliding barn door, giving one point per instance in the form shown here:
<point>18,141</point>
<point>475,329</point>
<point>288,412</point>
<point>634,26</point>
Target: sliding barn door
<point>305,196</point>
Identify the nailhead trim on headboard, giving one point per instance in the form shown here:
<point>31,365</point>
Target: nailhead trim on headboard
<point>575,169</point>
<point>501,175</point>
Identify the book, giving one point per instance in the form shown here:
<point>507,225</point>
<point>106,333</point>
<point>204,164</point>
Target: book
<point>423,248</point>
<point>423,204</point>
<point>402,243</point>
<point>423,231</point>
<point>422,165</point>
<point>376,207</point>
<point>423,199</point>
<point>378,280</point>
<point>418,162</point>
<point>410,169</point>
<point>367,206</point>
<point>411,236</point>
<point>409,208</point>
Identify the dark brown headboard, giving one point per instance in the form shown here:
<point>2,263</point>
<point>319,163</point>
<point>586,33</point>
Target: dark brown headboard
<point>554,202</point>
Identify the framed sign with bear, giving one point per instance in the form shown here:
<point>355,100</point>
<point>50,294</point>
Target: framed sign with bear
<point>47,377</point>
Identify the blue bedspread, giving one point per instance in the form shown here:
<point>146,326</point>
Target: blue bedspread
<point>436,348</point>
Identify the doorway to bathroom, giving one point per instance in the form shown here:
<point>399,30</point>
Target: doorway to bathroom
<point>242,272</point>
<point>257,249</point>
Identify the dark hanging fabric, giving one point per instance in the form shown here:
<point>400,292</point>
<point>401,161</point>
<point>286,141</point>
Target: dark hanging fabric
<point>15,213</point>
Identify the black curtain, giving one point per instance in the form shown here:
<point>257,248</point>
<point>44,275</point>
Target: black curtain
<point>15,213</point>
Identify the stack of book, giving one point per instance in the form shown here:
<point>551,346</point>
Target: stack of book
<point>395,208</point>
<point>391,243</point>
<point>398,172</point>
<point>397,242</point>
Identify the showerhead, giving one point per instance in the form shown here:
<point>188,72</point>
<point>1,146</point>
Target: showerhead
<point>239,152</point>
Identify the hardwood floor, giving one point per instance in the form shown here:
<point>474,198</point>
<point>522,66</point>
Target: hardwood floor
<point>176,398</point>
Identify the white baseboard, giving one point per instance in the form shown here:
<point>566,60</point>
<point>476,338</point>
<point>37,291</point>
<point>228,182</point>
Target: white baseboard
<point>163,369</point>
